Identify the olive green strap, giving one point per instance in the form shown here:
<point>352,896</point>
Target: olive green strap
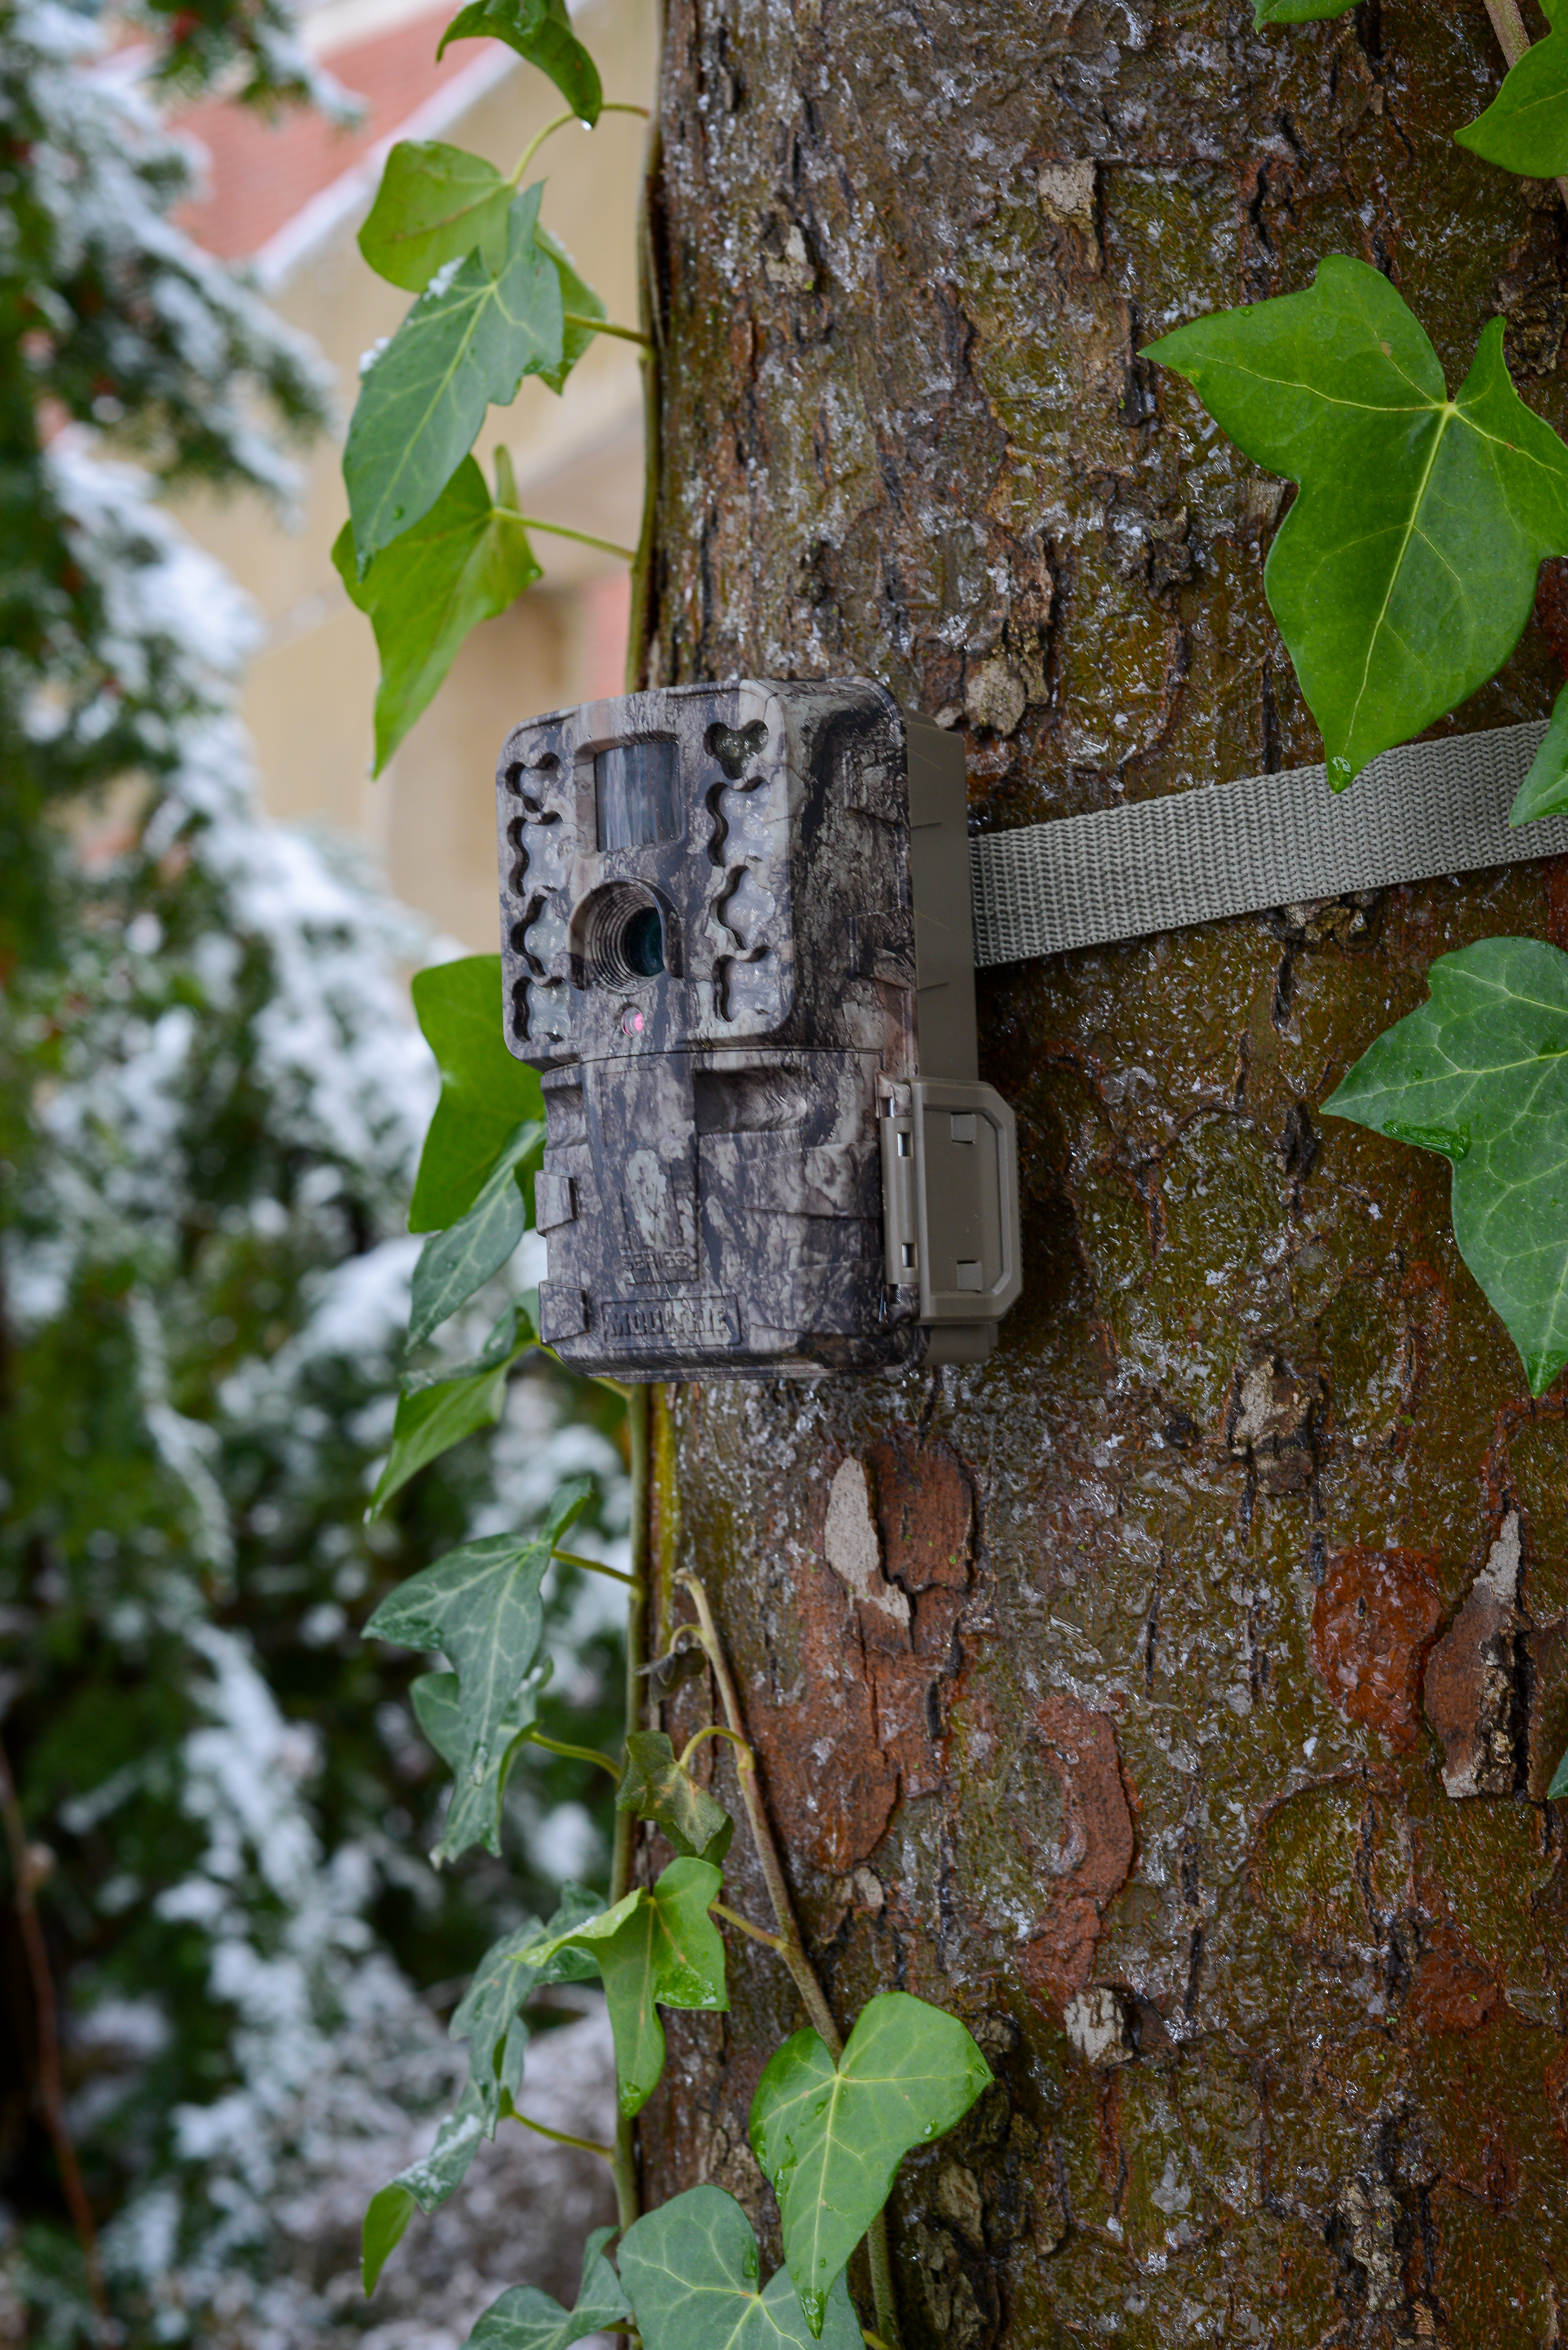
<point>1268,841</point>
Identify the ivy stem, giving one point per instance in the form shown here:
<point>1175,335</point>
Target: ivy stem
<point>711,1730</point>
<point>578,1754</point>
<point>791,1947</point>
<point>595,1566</point>
<point>627,2190</point>
<point>1513,40</point>
<point>559,530</point>
<point>604,326</point>
<point>564,2137</point>
<point>24,1878</point>
<point>560,122</point>
<point>757,1933</point>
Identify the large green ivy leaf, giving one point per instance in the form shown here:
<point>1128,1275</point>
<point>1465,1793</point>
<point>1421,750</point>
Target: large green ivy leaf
<point>1481,1074</point>
<point>1296,12</point>
<point>422,2187</point>
<point>831,2138</point>
<point>652,1948</point>
<point>467,343</point>
<point>540,31</point>
<point>489,2015</point>
<point>1544,790</point>
<point>436,1412</point>
<point>474,1814</point>
<point>485,1094</point>
<point>1406,570</point>
<point>1525,128</point>
<point>527,2319</point>
<point>467,560</point>
<point>480,1605</point>
<point>454,1263</point>
<point>657,1786</point>
<point>691,2268</point>
<point>435,203</point>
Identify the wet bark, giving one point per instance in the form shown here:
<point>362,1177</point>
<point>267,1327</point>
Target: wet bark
<point>1131,1757</point>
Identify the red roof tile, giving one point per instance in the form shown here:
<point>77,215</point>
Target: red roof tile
<point>261,174</point>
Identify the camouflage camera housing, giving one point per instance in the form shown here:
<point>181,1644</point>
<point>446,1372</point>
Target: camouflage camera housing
<point>738,948</point>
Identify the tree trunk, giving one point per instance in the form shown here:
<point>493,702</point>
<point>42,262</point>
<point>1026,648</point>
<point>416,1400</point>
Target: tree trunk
<point>1127,1750</point>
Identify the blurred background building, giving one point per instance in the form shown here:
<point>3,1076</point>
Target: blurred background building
<point>289,198</point>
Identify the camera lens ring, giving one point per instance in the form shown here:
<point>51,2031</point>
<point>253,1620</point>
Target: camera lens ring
<point>621,933</point>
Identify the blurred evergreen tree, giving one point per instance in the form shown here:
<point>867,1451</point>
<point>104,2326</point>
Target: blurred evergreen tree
<point>211,1102</point>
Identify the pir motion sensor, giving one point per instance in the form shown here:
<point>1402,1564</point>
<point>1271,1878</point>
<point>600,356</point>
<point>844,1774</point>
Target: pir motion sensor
<point>739,940</point>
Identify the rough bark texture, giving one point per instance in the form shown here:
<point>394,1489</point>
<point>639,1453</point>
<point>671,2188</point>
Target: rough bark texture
<point>1126,1757</point>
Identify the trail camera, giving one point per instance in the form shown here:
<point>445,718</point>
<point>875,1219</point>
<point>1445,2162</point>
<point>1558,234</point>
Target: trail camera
<point>737,944</point>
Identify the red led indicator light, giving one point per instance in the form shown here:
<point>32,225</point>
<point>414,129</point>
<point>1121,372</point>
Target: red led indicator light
<point>631,1021</point>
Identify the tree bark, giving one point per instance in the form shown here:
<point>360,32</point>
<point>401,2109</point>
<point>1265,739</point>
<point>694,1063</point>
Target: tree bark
<point>1179,1716</point>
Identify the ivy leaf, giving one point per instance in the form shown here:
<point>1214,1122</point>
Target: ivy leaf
<point>658,1786</point>
<point>1481,1074</point>
<point>480,1605</point>
<point>1559,1787</point>
<point>691,2268</point>
<point>1525,128</point>
<point>830,2138</point>
<point>1406,570</point>
<point>468,340</point>
<point>527,2319</point>
<point>652,1948</point>
<point>489,2015</point>
<point>578,296</point>
<point>1296,12</point>
<point>1544,790</point>
<point>484,1093</point>
<point>422,2187</point>
<point>436,1413</point>
<point>466,561</point>
<point>474,1814</point>
<point>454,1263</point>
<point>540,31</point>
<point>435,203</point>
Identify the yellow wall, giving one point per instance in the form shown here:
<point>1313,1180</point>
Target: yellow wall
<point>430,817</point>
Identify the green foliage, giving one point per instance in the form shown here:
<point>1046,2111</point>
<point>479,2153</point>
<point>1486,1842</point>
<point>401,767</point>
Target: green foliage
<point>484,1093</point>
<point>1481,1074</point>
<point>454,1263</point>
<point>1544,790</point>
<point>578,298</point>
<point>436,1412</point>
<point>466,561</point>
<point>1297,12</point>
<point>653,1949</point>
<point>422,2187</point>
<point>467,343</point>
<point>540,32</point>
<point>434,205</point>
<point>527,2319</point>
<point>691,2270</point>
<point>658,1787</point>
<point>1525,128</point>
<point>1403,572</point>
<point>1559,1787</point>
<point>490,2017</point>
<point>481,1608</point>
<point>474,1815</point>
<point>830,2137</point>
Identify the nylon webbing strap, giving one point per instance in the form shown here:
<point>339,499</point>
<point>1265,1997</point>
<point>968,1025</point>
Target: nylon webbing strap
<point>1241,847</point>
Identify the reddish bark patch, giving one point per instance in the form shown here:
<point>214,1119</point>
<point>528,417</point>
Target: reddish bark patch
<point>1375,1615</point>
<point>1452,1990</point>
<point>1078,1748</point>
<point>1546,1651</point>
<point>867,1726</point>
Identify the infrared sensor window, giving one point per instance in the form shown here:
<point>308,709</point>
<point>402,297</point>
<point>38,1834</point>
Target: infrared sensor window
<point>637,795</point>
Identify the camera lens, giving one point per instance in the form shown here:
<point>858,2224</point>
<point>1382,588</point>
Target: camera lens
<point>641,944</point>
